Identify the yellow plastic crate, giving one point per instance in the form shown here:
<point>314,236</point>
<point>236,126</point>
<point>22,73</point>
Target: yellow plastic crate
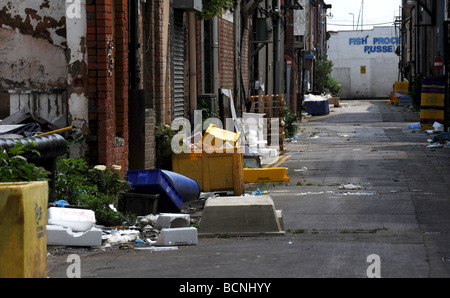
<point>23,235</point>
<point>401,87</point>
<point>433,100</point>
<point>265,175</point>
<point>213,171</point>
<point>216,137</point>
<point>429,116</point>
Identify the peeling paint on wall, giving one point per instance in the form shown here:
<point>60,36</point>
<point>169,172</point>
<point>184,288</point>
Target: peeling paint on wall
<point>36,18</point>
<point>30,64</point>
<point>32,46</point>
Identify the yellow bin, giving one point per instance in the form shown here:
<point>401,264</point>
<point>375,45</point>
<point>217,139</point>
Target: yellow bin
<point>213,171</point>
<point>23,235</point>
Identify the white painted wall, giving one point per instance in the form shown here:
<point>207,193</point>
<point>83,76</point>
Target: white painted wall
<point>374,49</point>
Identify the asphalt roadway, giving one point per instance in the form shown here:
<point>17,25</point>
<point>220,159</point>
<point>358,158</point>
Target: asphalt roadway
<point>391,221</point>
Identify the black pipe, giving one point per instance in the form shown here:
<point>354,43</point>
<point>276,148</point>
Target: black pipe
<point>49,148</point>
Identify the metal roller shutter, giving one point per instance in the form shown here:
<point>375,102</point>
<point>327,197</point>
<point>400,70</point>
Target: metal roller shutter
<point>178,65</point>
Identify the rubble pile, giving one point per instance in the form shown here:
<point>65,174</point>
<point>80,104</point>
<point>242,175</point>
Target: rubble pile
<point>76,228</point>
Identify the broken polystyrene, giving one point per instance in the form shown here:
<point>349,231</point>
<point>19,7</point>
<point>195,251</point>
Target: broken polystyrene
<point>349,186</point>
<point>120,236</point>
<point>172,220</point>
<point>58,235</point>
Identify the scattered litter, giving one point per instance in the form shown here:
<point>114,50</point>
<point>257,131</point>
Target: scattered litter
<point>344,136</point>
<point>126,246</point>
<point>337,193</point>
<point>150,219</point>
<point>260,192</point>
<point>60,203</point>
<point>157,248</point>
<point>139,242</point>
<point>349,186</point>
<point>414,126</point>
<point>116,236</point>
<point>312,193</point>
<point>435,145</point>
<point>441,138</point>
<point>438,127</point>
<point>356,193</point>
<point>112,207</point>
<point>304,169</point>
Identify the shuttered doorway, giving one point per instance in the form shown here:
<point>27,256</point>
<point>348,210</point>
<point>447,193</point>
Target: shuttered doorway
<point>178,64</point>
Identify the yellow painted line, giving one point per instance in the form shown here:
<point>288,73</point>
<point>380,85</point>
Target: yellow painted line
<point>270,164</point>
<point>282,160</point>
<point>278,162</point>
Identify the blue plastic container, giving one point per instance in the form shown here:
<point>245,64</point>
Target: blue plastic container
<point>171,186</point>
<point>315,108</point>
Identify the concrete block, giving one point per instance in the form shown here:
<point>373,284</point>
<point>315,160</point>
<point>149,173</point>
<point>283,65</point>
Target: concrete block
<point>59,235</point>
<point>244,215</point>
<point>172,220</point>
<point>177,236</point>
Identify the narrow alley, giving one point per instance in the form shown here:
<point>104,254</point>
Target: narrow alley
<point>362,184</point>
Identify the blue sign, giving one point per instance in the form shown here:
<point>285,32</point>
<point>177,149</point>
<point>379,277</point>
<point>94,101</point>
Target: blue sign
<point>380,44</point>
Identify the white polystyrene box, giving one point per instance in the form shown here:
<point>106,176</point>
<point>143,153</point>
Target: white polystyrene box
<point>58,235</point>
<point>78,220</point>
<point>173,220</point>
<point>177,236</point>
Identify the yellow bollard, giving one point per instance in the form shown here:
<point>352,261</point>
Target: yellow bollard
<point>23,235</point>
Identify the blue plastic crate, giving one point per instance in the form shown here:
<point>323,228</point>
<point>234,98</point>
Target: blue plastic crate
<point>173,186</point>
<point>315,108</point>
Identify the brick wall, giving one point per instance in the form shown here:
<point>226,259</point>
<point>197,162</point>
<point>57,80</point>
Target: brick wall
<point>153,60</point>
<point>107,43</point>
<point>226,54</point>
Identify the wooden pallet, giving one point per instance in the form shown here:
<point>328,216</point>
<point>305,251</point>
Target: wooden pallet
<point>273,108</point>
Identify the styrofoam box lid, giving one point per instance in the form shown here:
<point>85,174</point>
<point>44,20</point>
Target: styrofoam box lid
<point>78,220</point>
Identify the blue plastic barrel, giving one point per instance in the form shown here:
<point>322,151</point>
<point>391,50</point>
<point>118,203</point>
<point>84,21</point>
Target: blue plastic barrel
<point>173,188</point>
<point>188,188</point>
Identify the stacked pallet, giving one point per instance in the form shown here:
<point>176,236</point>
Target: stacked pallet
<point>273,108</point>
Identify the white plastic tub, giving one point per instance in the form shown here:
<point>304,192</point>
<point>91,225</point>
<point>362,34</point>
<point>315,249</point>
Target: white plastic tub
<point>78,220</point>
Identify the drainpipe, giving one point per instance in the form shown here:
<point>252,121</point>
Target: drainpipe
<point>215,46</point>
<point>237,57</point>
<point>418,68</point>
<point>192,65</point>
<point>277,51</point>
